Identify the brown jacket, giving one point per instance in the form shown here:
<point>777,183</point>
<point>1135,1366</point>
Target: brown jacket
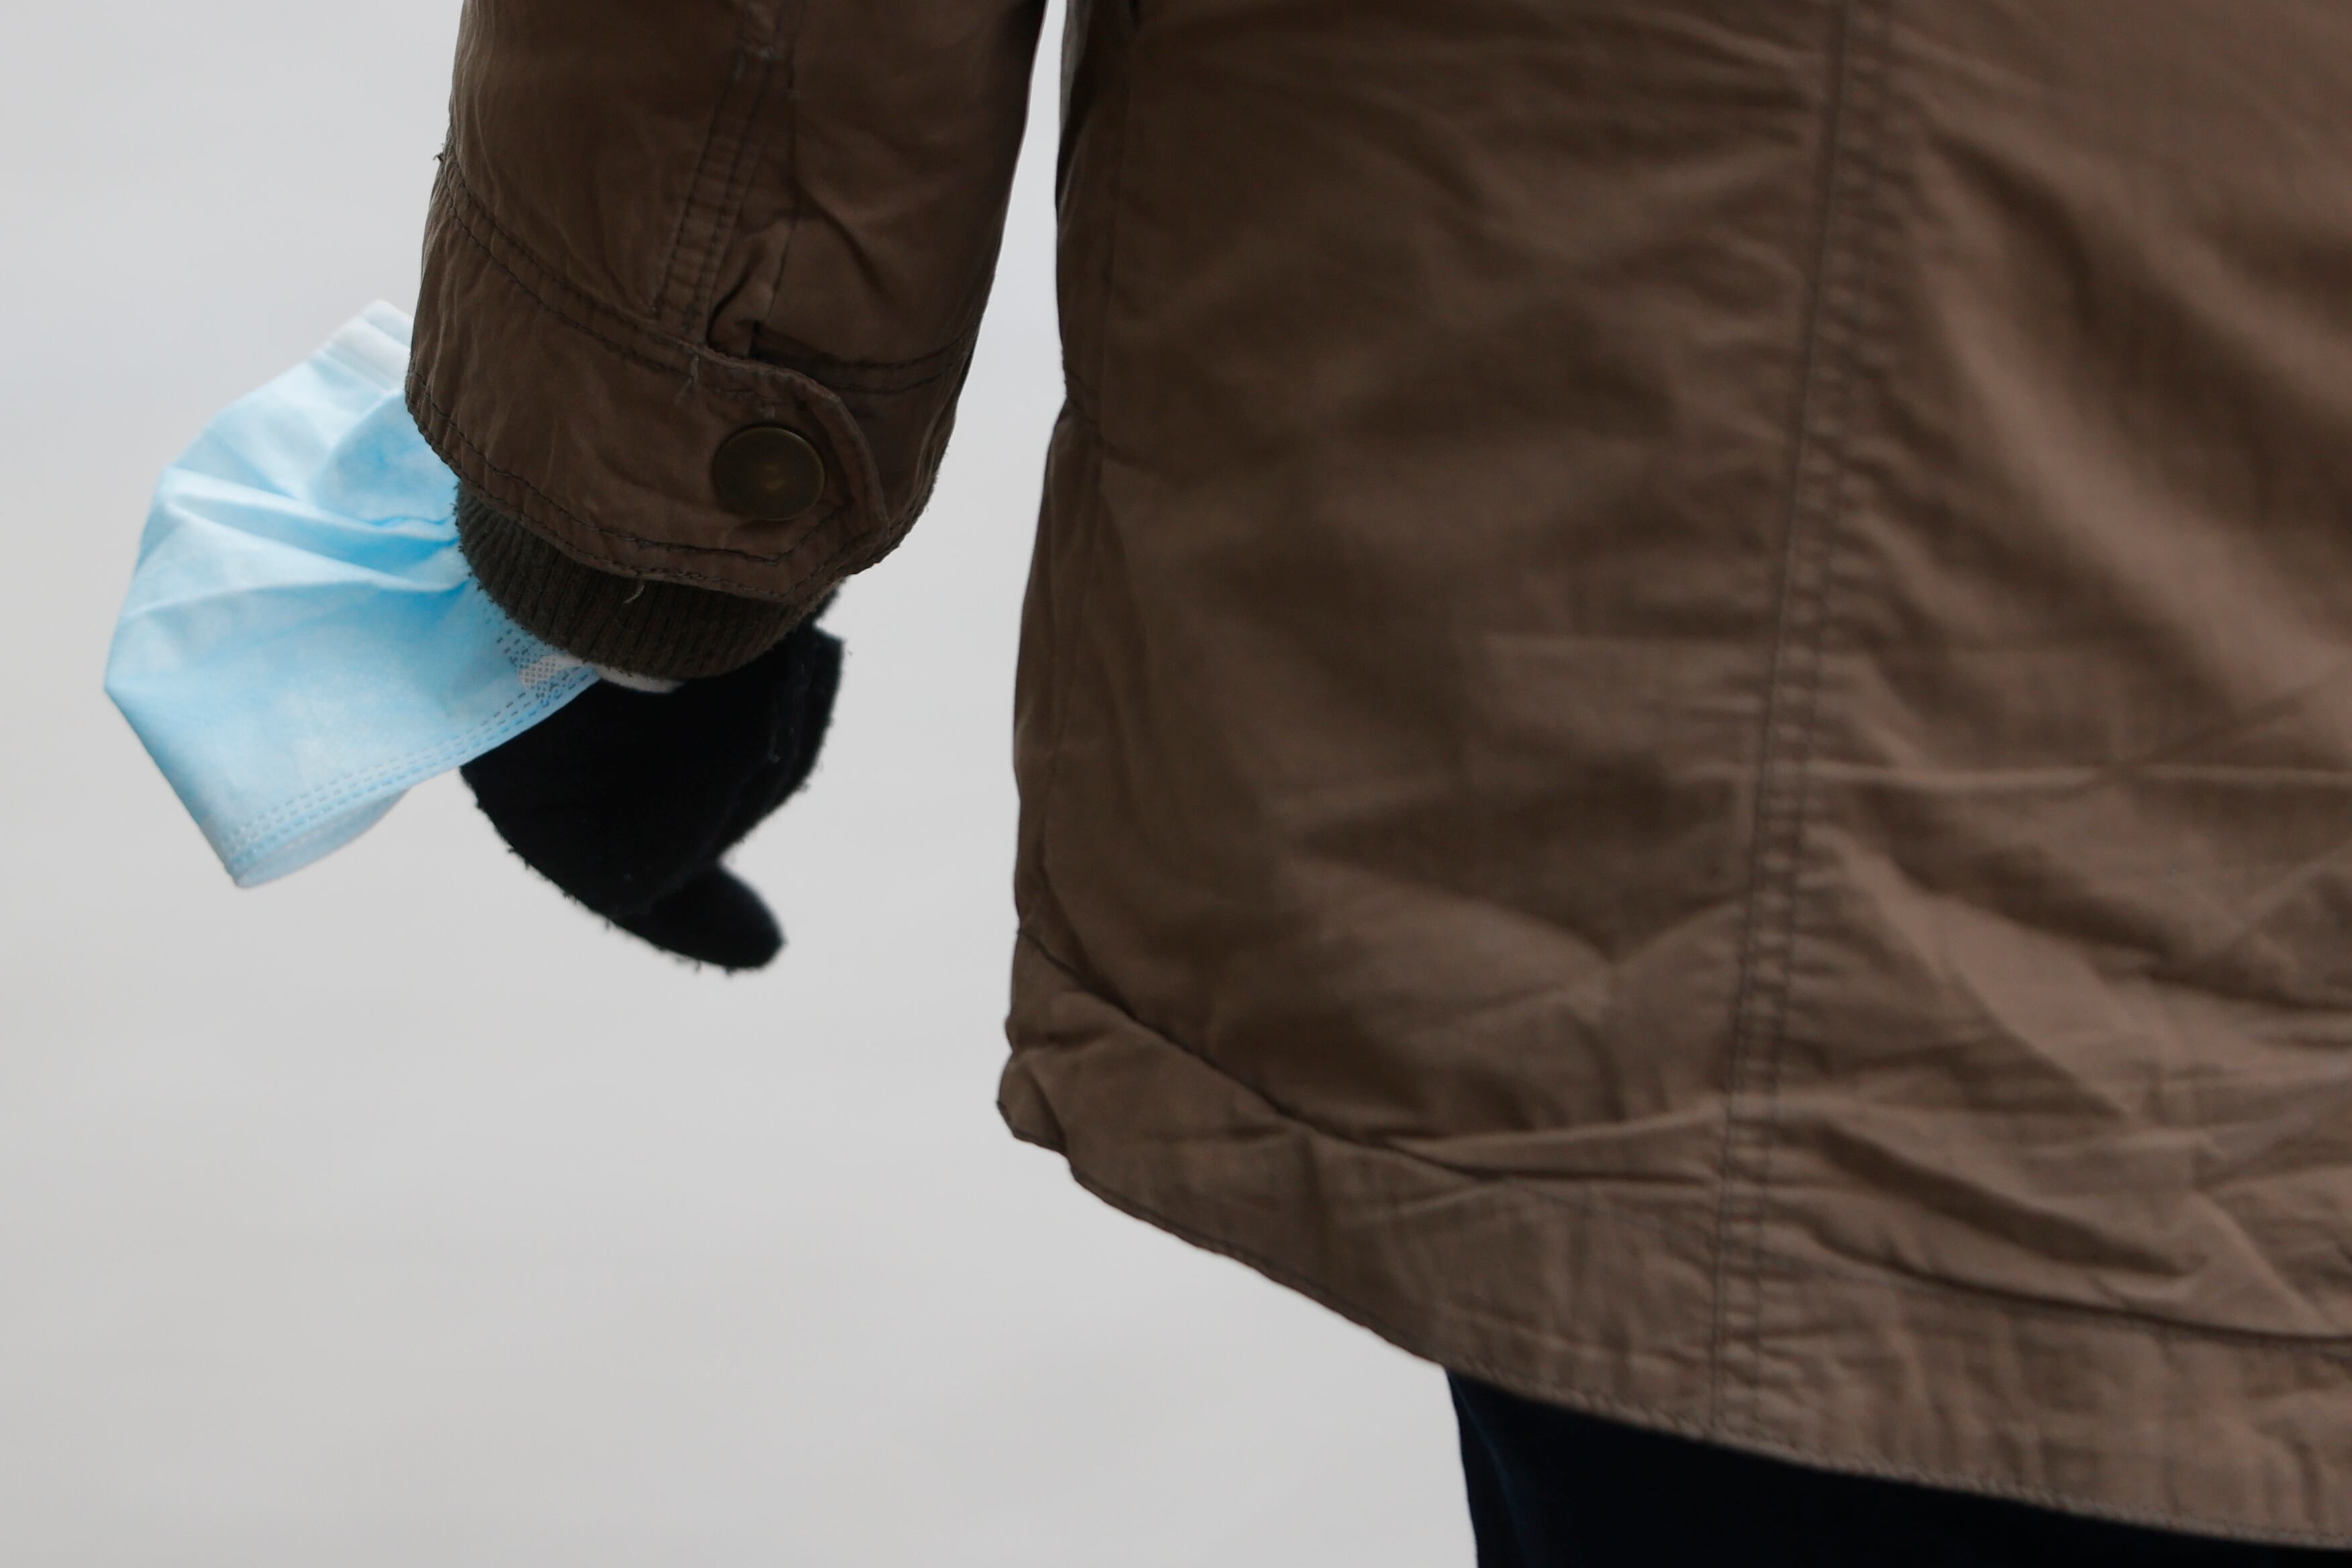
<point>1685,719</point>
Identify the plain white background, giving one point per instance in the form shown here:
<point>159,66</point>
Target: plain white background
<point>400,1213</point>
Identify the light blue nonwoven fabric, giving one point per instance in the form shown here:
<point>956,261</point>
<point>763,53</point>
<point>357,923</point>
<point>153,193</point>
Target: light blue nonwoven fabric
<point>302,642</point>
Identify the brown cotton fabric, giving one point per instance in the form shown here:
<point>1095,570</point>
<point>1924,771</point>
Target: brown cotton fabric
<point>1686,711</point>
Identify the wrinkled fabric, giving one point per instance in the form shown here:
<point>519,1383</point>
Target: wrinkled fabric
<point>1686,706</point>
<point>301,643</point>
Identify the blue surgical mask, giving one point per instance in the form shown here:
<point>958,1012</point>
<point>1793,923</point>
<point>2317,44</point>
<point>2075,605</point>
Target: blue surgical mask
<point>303,641</point>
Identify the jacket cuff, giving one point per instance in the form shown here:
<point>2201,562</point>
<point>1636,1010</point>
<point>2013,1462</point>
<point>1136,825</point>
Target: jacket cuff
<point>654,629</point>
<point>612,439</point>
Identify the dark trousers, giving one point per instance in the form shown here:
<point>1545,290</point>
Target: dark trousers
<point>1552,1488</point>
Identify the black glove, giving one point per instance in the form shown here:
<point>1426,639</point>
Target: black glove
<point>626,800</point>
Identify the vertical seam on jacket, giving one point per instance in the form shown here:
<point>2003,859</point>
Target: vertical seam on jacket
<point>680,304</point>
<point>1792,704</point>
<point>1873,69</point>
<point>749,146</point>
<point>791,67</point>
<point>666,282</point>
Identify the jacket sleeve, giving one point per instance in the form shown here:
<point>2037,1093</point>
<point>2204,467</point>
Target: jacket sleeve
<point>701,282</point>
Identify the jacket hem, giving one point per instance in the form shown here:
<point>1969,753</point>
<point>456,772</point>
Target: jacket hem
<point>1557,1292</point>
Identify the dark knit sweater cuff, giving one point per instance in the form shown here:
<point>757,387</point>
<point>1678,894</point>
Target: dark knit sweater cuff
<point>622,623</point>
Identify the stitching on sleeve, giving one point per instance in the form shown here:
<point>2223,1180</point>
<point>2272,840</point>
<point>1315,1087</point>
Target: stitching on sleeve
<point>471,216</point>
<point>834,373</point>
<point>693,190</point>
<point>792,69</point>
<point>472,209</point>
<point>726,216</point>
<point>447,423</point>
<point>854,554</point>
<point>478,226</point>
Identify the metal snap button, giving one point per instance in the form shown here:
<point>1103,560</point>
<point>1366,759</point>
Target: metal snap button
<point>768,473</point>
